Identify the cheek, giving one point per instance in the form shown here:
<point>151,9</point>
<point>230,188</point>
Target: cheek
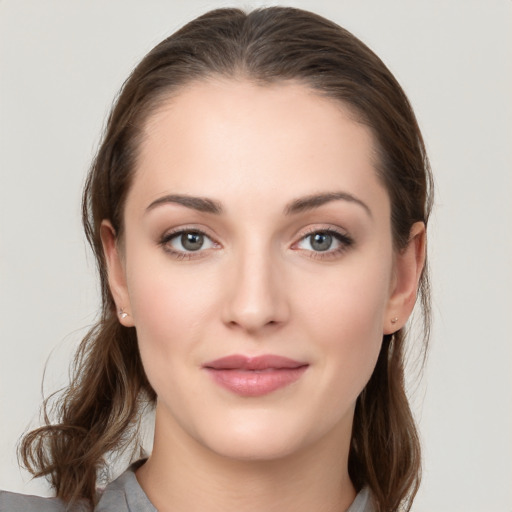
<point>167,314</point>
<point>169,307</point>
<point>344,314</point>
<point>348,301</point>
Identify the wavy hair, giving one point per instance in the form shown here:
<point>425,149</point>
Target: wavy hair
<point>98,413</point>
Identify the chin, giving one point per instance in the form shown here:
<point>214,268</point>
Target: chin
<point>260,439</point>
<point>254,448</point>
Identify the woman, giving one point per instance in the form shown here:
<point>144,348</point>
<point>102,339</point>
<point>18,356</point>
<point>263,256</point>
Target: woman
<point>258,211</point>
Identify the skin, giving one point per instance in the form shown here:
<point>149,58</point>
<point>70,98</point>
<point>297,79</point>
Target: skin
<point>257,286</point>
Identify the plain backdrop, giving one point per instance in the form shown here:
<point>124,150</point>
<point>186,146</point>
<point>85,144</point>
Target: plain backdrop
<point>61,64</point>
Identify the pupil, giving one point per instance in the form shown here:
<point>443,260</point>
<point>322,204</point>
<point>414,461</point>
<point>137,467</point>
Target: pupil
<point>321,241</point>
<point>192,241</point>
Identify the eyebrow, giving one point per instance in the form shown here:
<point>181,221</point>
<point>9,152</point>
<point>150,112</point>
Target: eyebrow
<point>315,201</point>
<point>302,204</point>
<point>201,204</point>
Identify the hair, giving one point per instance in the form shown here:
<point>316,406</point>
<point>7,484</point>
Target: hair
<point>98,413</point>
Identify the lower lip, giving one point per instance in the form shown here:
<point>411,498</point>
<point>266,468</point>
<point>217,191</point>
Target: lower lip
<point>256,383</point>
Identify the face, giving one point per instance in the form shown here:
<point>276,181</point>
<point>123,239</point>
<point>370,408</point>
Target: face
<point>257,267</point>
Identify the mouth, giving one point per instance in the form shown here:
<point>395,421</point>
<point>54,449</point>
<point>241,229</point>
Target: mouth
<point>255,376</point>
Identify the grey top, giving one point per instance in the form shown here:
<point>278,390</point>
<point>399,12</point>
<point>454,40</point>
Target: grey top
<point>122,495</point>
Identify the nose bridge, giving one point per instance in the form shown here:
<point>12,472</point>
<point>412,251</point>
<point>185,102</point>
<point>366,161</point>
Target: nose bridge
<point>257,297</point>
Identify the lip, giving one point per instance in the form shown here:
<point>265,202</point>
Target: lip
<point>255,376</point>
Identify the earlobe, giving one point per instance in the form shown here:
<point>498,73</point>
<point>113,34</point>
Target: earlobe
<point>116,273</point>
<point>409,265</point>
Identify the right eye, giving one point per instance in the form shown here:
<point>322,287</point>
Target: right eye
<point>187,241</point>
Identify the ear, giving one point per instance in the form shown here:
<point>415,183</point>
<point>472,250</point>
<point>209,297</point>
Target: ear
<point>116,273</point>
<point>409,264</point>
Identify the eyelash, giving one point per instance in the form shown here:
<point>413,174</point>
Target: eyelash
<point>344,240</point>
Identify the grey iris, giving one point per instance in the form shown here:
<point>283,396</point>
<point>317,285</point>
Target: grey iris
<point>192,241</point>
<point>321,241</point>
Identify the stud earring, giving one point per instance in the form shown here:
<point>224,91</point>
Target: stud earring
<point>394,320</point>
<point>122,313</point>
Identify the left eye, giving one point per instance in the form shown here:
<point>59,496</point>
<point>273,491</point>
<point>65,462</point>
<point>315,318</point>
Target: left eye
<point>322,241</point>
<point>189,241</point>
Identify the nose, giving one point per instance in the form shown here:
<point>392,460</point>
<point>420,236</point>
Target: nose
<point>256,296</point>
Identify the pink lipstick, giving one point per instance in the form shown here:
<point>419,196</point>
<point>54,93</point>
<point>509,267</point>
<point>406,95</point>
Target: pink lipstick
<point>255,376</point>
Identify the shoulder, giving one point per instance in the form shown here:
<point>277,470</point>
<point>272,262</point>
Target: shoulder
<point>125,494</point>
<point>363,502</point>
<point>14,502</point>
<point>122,495</point>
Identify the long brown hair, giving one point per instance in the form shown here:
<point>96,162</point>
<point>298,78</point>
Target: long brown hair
<point>99,412</point>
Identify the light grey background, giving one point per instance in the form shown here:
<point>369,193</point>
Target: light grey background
<point>61,63</point>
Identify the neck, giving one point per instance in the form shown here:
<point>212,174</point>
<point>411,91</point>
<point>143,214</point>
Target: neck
<point>184,476</point>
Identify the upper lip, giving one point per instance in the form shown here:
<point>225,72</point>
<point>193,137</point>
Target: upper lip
<point>248,363</point>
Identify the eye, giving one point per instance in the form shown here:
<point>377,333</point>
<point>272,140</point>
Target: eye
<point>324,241</point>
<point>321,241</point>
<point>187,242</point>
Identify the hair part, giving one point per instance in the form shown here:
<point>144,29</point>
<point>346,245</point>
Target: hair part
<point>99,412</point>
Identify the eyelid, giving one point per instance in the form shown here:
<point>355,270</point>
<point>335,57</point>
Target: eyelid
<point>323,228</point>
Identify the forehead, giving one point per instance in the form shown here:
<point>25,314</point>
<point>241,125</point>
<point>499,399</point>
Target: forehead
<point>223,136</point>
